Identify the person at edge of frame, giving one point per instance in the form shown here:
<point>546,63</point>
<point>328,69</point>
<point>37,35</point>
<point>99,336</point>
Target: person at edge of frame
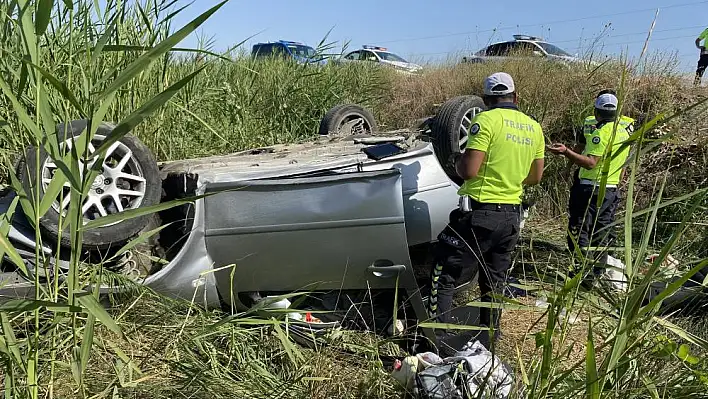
<point>703,58</point>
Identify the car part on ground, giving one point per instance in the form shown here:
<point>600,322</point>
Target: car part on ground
<point>450,129</point>
<point>128,179</point>
<point>348,120</point>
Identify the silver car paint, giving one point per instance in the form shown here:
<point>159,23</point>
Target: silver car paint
<point>428,193</point>
<point>315,232</point>
<point>421,190</point>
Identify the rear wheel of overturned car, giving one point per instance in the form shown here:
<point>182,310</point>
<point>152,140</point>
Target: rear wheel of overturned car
<point>347,120</point>
<point>450,128</point>
<point>129,179</point>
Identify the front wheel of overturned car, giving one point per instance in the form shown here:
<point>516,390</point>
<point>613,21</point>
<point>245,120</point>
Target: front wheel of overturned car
<point>128,179</point>
<point>347,119</point>
<point>450,129</point>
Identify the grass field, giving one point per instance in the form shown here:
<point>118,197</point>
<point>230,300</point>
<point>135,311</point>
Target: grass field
<point>114,64</point>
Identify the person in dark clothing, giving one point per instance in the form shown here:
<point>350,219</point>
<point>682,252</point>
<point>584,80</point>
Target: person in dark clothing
<point>504,151</point>
<point>588,230</point>
<point>703,60</point>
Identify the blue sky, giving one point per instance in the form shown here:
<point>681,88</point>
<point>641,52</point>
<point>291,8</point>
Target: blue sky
<point>434,30</point>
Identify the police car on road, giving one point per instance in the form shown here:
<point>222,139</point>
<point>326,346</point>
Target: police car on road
<point>521,46</point>
<point>297,51</point>
<point>383,56</point>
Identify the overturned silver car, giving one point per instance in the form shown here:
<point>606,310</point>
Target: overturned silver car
<point>350,212</point>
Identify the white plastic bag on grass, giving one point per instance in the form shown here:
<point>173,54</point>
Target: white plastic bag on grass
<point>615,274</point>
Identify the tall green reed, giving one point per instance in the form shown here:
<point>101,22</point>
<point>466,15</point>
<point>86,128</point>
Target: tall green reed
<point>60,64</point>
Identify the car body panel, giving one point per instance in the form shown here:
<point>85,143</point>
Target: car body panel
<point>295,234</point>
<point>428,193</point>
<point>190,275</point>
<point>267,200</point>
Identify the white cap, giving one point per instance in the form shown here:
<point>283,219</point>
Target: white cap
<point>498,84</point>
<point>606,102</point>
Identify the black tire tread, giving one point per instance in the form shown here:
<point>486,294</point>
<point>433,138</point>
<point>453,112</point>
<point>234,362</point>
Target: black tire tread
<point>445,129</point>
<point>335,114</point>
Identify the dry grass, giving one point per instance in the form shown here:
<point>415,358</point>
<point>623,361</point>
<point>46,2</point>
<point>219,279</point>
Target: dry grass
<point>559,96</point>
<point>520,327</point>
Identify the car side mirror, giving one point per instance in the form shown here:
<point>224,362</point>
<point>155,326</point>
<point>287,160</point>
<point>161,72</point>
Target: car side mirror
<point>537,53</point>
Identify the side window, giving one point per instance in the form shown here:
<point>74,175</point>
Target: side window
<point>352,56</point>
<point>263,50</point>
<point>368,56</point>
<point>522,48</point>
<point>498,50</point>
<point>538,50</point>
<point>279,50</point>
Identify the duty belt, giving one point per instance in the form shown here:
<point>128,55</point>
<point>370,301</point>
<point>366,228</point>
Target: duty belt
<point>589,182</point>
<point>467,204</point>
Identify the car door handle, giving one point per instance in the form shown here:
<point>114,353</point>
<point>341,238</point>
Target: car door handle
<point>386,271</point>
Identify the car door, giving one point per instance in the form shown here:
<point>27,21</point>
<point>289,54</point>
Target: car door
<point>331,231</point>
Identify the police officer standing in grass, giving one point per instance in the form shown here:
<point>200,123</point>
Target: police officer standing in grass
<point>703,60</point>
<point>585,216</point>
<point>590,124</point>
<point>505,150</point>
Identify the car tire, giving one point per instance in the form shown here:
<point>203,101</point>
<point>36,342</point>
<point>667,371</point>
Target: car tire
<point>449,127</point>
<point>136,185</point>
<point>347,119</point>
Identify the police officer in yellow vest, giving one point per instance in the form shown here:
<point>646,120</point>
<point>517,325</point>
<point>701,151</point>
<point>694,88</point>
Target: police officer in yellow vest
<point>505,150</point>
<point>585,217</point>
<point>590,124</point>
